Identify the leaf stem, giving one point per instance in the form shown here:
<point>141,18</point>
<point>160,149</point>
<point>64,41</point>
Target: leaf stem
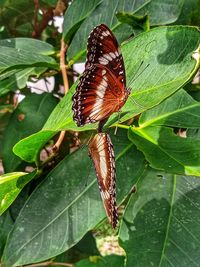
<point>122,126</point>
<point>50,263</point>
<point>63,69</point>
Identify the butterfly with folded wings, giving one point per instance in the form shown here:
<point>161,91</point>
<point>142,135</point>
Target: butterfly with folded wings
<point>102,88</point>
<point>102,154</point>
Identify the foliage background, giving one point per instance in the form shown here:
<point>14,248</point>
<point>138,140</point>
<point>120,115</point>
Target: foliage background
<point>50,206</point>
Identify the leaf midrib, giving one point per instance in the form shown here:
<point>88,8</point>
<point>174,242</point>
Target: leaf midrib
<point>148,123</point>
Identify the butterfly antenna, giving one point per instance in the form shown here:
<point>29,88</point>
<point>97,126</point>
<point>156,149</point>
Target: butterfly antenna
<point>134,79</point>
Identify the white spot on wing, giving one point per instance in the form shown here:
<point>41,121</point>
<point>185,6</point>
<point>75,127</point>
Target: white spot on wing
<point>106,33</point>
<point>103,61</point>
<point>103,73</point>
<point>107,56</point>
<point>112,55</point>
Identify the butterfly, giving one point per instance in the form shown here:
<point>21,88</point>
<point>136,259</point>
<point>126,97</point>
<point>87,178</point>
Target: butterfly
<point>101,90</point>
<point>101,151</point>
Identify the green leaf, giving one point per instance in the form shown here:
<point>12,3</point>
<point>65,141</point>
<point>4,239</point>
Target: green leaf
<point>86,247</point>
<point>139,23</point>
<point>111,260</point>
<point>162,147</point>
<point>28,44</point>
<point>189,13</point>
<point>28,118</point>
<point>20,52</point>
<point>167,64</point>
<point>167,151</point>
<point>166,53</point>
<point>159,12</point>
<point>5,113</point>
<point>180,110</point>
<point>161,222</point>
<point>14,12</point>
<point>6,224</point>
<point>34,143</point>
<point>75,15</point>
<point>10,186</point>
<point>18,79</point>
<point>67,204</point>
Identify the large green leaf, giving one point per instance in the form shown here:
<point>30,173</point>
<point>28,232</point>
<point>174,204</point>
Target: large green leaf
<point>75,15</point>
<point>162,147</point>
<point>67,204</point>
<point>28,118</point>
<point>159,12</point>
<point>10,186</point>
<point>161,224</point>
<point>167,151</point>
<point>180,110</point>
<point>167,64</point>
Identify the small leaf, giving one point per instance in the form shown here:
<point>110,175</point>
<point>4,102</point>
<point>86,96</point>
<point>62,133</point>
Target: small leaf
<point>161,222</point>
<point>10,187</point>
<point>18,79</point>
<point>139,23</point>
<point>34,143</point>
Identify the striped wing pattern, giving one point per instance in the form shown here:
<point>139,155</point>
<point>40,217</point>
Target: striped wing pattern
<point>102,154</point>
<point>102,88</point>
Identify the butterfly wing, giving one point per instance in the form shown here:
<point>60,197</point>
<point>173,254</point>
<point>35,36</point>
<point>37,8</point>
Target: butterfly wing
<point>103,49</point>
<point>102,154</point>
<point>102,87</point>
<point>97,96</point>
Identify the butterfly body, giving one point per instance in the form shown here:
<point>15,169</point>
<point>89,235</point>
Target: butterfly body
<point>102,88</point>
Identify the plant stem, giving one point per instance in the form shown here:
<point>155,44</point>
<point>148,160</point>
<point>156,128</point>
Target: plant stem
<point>63,69</point>
<point>50,263</point>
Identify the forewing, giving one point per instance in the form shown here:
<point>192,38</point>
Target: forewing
<point>103,49</point>
<point>102,154</point>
